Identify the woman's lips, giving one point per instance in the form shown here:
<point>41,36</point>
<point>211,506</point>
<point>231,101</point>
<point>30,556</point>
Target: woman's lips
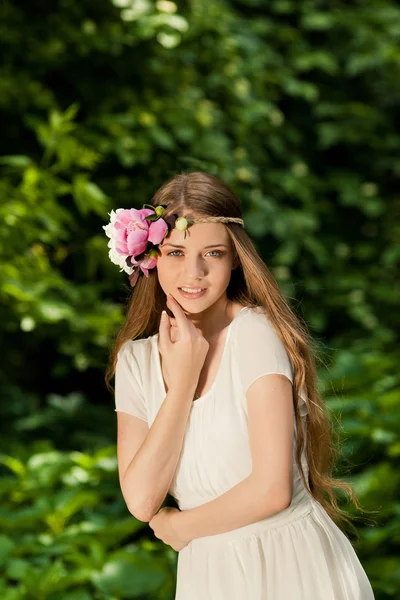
<point>191,296</point>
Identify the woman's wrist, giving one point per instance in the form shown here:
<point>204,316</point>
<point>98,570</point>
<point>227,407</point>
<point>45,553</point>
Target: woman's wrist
<point>184,387</point>
<point>175,517</point>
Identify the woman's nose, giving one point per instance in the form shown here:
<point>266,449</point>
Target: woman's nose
<point>195,268</point>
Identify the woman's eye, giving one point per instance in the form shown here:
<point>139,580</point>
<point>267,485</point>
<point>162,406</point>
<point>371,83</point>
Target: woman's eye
<point>219,253</point>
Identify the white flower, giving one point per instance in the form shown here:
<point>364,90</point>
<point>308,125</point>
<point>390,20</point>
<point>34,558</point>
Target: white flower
<point>116,257</point>
<point>181,223</point>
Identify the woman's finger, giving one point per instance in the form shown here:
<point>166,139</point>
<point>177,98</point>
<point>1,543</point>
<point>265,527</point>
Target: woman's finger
<point>164,330</point>
<point>180,317</point>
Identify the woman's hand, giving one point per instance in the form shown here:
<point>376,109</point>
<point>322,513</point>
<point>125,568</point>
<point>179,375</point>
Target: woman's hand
<point>163,527</point>
<point>182,347</point>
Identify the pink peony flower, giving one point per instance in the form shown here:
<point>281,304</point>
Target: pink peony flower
<point>157,231</point>
<point>148,262</point>
<point>129,235</point>
<point>131,231</point>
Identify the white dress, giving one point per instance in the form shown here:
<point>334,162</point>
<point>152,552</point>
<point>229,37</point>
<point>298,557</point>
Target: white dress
<point>296,554</point>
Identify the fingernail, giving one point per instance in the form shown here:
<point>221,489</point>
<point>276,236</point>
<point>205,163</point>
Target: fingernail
<point>163,314</point>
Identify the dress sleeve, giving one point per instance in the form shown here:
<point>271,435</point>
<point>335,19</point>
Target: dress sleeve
<point>260,351</point>
<point>128,393</point>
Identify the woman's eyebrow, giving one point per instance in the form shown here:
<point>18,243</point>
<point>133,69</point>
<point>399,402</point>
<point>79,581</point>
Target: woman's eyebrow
<point>179,246</point>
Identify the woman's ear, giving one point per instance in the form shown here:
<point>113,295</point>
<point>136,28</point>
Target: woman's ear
<point>235,262</point>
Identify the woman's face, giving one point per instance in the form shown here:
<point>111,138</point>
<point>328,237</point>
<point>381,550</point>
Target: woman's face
<point>203,260</point>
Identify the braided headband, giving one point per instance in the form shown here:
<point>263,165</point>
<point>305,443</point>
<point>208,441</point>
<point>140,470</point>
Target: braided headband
<point>136,233</point>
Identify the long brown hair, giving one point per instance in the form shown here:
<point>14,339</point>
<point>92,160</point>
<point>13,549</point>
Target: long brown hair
<point>252,284</point>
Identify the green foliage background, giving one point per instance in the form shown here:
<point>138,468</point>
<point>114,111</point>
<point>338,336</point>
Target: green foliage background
<point>293,104</point>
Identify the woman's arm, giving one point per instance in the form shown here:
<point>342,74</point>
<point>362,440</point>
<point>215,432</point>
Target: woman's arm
<point>269,487</point>
<point>241,505</point>
<point>146,480</point>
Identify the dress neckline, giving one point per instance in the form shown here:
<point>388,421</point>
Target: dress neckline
<point>214,383</point>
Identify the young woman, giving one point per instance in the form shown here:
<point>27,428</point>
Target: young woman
<point>217,405</point>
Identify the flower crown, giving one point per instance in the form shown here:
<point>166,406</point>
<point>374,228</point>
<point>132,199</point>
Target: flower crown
<point>136,233</point>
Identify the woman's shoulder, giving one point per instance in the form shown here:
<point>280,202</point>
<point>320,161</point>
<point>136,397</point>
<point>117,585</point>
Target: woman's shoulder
<point>139,348</point>
<point>136,356</point>
<point>255,328</point>
<point>254,314</point>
